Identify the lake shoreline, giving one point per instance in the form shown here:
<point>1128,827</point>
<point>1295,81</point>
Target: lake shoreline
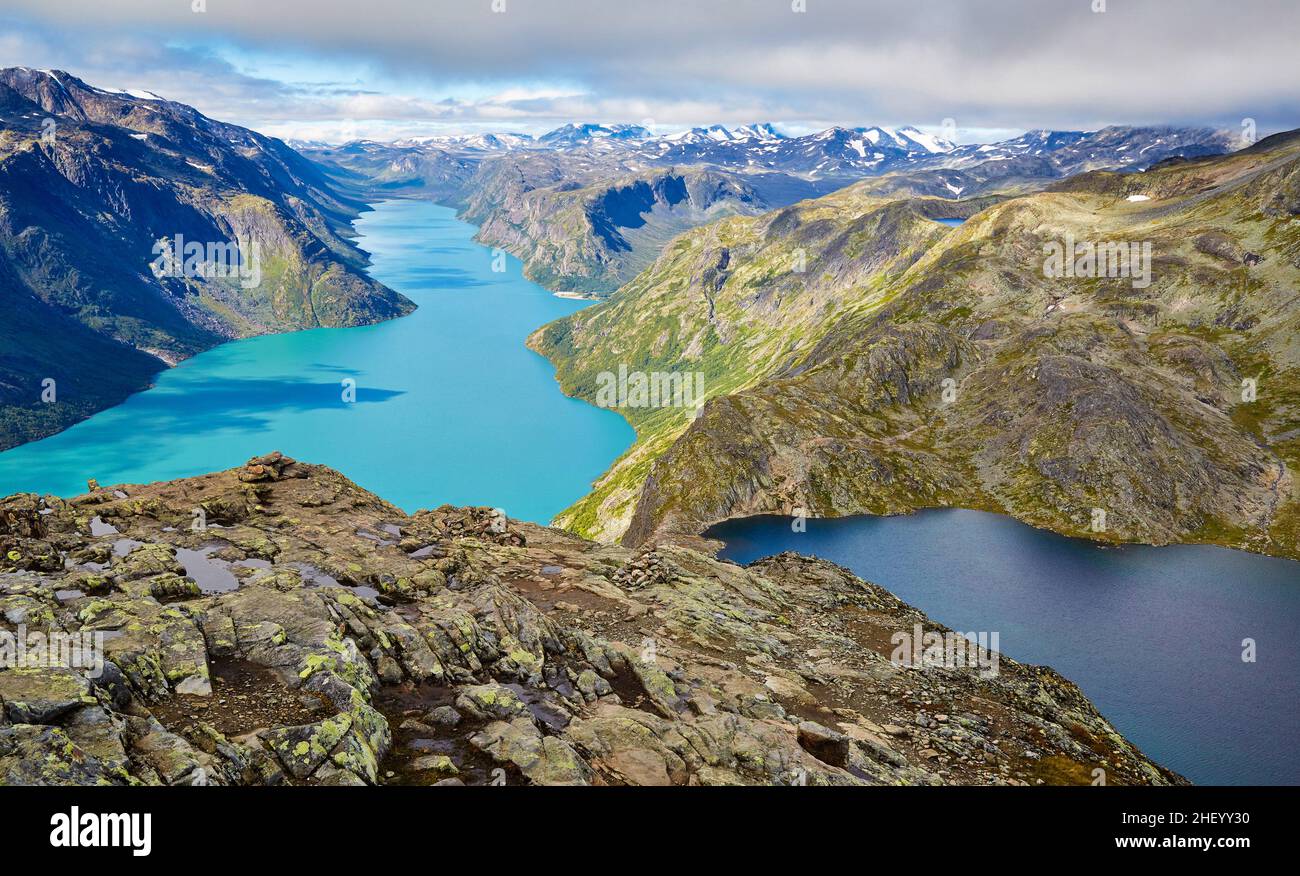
<point>1073,536</point>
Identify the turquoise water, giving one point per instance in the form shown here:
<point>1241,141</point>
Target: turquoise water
<point>1152,635</point>
<point>450,406</point>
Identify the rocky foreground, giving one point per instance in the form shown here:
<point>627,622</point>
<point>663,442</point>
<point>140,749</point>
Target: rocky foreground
<point>277,624</point>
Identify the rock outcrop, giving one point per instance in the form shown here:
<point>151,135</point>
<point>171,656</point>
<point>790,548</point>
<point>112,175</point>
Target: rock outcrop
<point>591,236</point>
<point>277,624</point>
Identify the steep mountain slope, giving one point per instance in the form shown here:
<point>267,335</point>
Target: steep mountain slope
<point>90,181</point>
<point>362,646</point>
<point>594,238</point>
<point>1068,395</point>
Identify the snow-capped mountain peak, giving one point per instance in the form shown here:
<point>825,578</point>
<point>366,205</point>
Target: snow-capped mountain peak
<point>908,139</point>
<point>582,134</point>
<point>762,131</point>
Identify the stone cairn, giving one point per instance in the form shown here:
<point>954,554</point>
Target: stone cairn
<point>644,570</point>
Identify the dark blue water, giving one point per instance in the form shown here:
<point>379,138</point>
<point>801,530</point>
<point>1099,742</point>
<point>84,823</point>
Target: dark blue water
<point>1152,635</point>
<point>951,222</point>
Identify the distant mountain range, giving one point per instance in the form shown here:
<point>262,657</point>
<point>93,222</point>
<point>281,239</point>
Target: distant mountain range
<point>90,181</point>
<point>546,199</point>
<point>836,152</point>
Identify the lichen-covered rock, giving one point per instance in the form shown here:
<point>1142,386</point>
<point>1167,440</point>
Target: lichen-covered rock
<point>42,696</point>
<point>303,749</point>
<point>544,760</point>
<point>490,701</point>
<point>33,754</point>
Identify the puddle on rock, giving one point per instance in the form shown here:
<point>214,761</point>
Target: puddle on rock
<point>124,546</point>
<point>99,528</point>
<point>211,574</point>
<point>314,577</point>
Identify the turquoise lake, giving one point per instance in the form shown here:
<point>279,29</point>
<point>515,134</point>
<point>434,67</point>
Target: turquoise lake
<point>1153,635</point>
<point>450,406</point>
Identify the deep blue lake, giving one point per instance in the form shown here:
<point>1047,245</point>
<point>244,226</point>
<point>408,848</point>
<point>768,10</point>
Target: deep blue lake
<point>450,406</point>
<point>1152,635</point>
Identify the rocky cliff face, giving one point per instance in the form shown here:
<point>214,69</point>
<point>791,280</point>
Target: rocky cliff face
<point>90,181</point>
<point>276,624</point>
<point>860,358</point>
<point>593,238</point>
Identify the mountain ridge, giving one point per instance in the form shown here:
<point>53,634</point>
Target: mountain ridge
<point>499,187</point>
<point>826,388</point>
<point>90,182</point>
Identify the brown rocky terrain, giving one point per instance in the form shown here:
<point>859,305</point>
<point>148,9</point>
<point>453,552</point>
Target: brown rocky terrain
<point>277,624</point>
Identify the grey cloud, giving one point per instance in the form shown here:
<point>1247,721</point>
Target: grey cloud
<point>985,63</point>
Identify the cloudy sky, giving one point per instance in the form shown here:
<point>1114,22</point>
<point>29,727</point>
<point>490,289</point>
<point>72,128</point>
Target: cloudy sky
<point>327,69</point>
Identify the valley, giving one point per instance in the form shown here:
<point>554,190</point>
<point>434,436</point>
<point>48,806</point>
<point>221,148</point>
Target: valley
<point>587,207</point>
<point>868,323</point>
<point>445,405</point>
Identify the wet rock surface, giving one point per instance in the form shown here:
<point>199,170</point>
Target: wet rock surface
<point>362,646</point>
